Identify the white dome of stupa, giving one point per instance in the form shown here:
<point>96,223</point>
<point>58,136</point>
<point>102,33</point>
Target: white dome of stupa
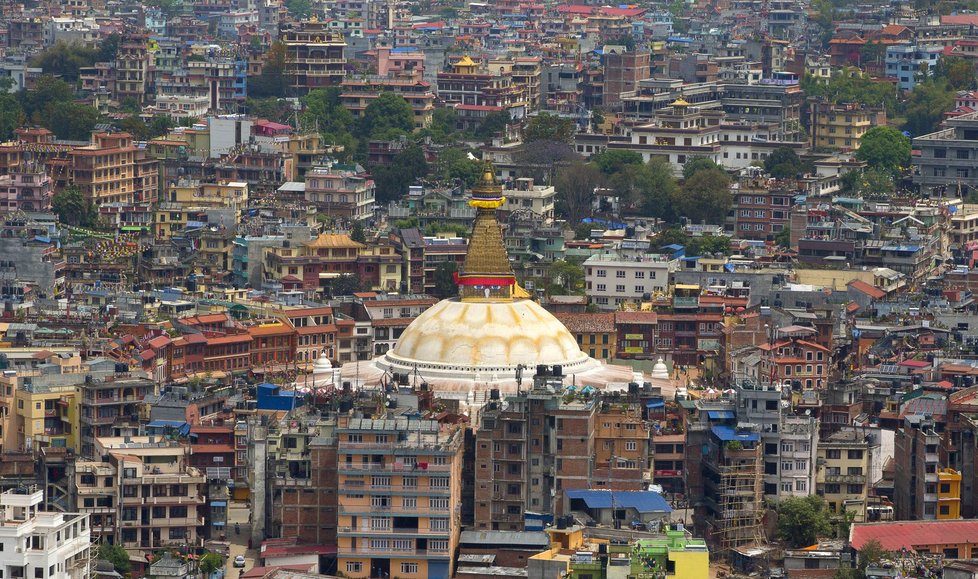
<point>660,370</point>
<point>322,365</point>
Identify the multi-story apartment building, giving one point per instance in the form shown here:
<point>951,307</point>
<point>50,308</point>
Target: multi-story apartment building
<point>314,56</point>
<point>359,92</point>
<point>612,280</point>
<point>315,333</point>
<point>160,497</point>
<point>25,188</point>
<point>133,64</point>
<point>341,191</point>
<point>44,545</point>
<point>533,446</point>
<point>469,85</point>
<point>799,450</point>
<point>399,497</point>
<point>97,495</point>
<point>916,448</point>
<point>107,402</point>
<point>841,126</point>
<point>111,169</point>
<point>760,210</point>
<point>623,70</point>
<point>595,333</point>
<point>732,485</point>
<point>845,461</point>
<point>531,201</point>
<point>946,162</point>
<point>948,494</point>
<point>308,265</point>
<point>46,413</point>
<point>907,63</point>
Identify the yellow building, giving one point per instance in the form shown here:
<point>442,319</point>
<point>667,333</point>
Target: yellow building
<point>948,494</point>
<point>399,497</point>
<point>843,474</point>
<point>46,415</point>
<point>185,201</point>
<point>841,126</point>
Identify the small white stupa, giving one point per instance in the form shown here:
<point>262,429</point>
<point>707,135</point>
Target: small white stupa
<point>660,370</point>
<point>323,375</point>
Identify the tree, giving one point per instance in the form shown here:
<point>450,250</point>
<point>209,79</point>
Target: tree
<point>958,72</point>
<point>705,197</point>
<point>299,9</point>
<point>566,278</point>
<point>272,81</point>
<point>47,91</point>
<point>873,183</point>
<point>210,562</point>
<point>393,180</point>
<point>444,124</point>
<point>454,163</point>
<point>358,234</point>
<point>783,163</point>
<point>273,109</point>
<point>72,208</point>
<point>135,126</point>
<point>708,244</point>
<point>613,160</point>
<point>70,120</point>
<point>575,184</point>
<point>494,123</point>
<point>344,285</point>
<point>697,164</point>
<point>658,189</point>
<point>802,520</point>
<point>926,106</point>
<point>671,236</point>
<point>116,555</point>
<point>884,148</point>
<point>64,60</point>
<point>851,86</point>
<point>11,113</point>
<point>783,238</point>
<point>547,127</point>
<point>445,286</point>
<point>160,125</point>
<point>387,112</point>
<point>108,49</point>
<point>540,160</point>
<point>872,552</point>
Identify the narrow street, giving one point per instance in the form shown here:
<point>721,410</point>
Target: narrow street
<point>238,513</point>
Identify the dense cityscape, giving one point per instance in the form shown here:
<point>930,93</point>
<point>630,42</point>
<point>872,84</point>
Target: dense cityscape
<point>301,289</point>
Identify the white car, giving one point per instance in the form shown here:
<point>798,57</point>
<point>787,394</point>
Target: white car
<point>239,561</point>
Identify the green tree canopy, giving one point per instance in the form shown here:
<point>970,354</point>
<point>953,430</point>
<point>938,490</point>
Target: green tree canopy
<point>612,160</point>
<point>659,189</point>
<point>852,86</point>
<point>494,123</point>
<point>47,91</point>
<point>885,149</point>
<point>671,236</point>
<point>783,238</point>
<point>444,124</point>
<point>358,234</point>
<point>272,82</point>
<point>708,244</point>
<point>210,562</point>
<point>70,120</point>
<point>705,197</point>
<point>925,108</point>
<point>566,278</point>
<point>72,208</point>
<point>65,59</point>
<point>394,179</point>
<point>116,555</point>
<point>959,73</point>
<point>783,163</point>
<point>445,286</point>
<point>802,520</point>
<point>323,109</point>
<point>698,164</point>
<point>11,113</point>
<point>454,163</point>
<point>387,112</point>
<point>547,127</point>
<point>299,9</point>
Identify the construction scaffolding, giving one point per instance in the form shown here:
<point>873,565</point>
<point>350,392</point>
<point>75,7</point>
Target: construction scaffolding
<point>741,500</point>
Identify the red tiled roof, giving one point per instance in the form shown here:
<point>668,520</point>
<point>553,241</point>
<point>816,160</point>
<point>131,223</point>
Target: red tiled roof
<point>914,363</point>
<point>965,19</point>
<point>636,318</point>
<point>587,323</point>
<point>873,292</point>
<point>232,339</point>
<point>159,341</point>
<point>896,536</point>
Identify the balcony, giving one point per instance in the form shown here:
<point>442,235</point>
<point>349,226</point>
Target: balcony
<point>685,302</point>
<point>390,552</point>
<point>858,479</point>
<point>364,530</point>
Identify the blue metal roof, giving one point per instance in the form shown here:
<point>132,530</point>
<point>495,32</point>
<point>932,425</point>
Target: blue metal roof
<point>720,414</point>
<point>182,427</point>
<point>729,433</point>
<point>641,501</point>
<point>655,404</point>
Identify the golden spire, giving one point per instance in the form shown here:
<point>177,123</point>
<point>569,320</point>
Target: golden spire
<point>486,273</point>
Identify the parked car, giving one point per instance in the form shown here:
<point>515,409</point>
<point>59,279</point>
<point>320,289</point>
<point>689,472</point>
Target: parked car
<point>239,561</point>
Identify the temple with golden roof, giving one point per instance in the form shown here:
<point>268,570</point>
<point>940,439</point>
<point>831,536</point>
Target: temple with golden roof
<point>484,336</point>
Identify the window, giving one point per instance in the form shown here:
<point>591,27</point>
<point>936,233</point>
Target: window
<point>409,568</point>
<point>639,275</point>
<point>620,274</point>
<point>854,489</point>
<point>354,567</point>
<point>602,273</point>
<point>439,483</point>
<point>833,454</point>
<point>620,288</point>
<point>602,287</point>
<point>631,445</point>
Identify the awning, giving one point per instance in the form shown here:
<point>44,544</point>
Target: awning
<point>655,404</point>
<point>219,503</point>
<point>720,415</point>
<point>217,524</point>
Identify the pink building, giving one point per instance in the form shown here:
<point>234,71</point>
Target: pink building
<point>26,189</point>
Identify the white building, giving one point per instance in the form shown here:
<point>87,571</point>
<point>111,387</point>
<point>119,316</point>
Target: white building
<point>41,545</point>
<point>799,454</point>
<point>612,280</point>
<point>525,197</point>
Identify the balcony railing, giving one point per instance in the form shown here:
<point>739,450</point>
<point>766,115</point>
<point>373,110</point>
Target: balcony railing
<point>846,478</point>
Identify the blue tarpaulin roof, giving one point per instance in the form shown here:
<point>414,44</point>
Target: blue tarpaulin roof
<point>720,414</point>
<point>655,404</point>
<point>641,501</point>
<point>181,426</point>
<point>729,433</point>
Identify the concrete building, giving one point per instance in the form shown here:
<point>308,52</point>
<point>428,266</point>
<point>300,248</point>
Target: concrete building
<point>946,162</point>
<point>611,280</point>
<point>44,545</point>
<point>844,477</point>
<point>399,510</point>
<point>527,200</point>
<point>623,69</point>
<point>916,452</point>
<point>25,188</point>
<point>314,56</point>
<point>112,169</point>
<point>909,62</point>
<point>343,192</point>
<point>840,126</point>
<point>359,92</point>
